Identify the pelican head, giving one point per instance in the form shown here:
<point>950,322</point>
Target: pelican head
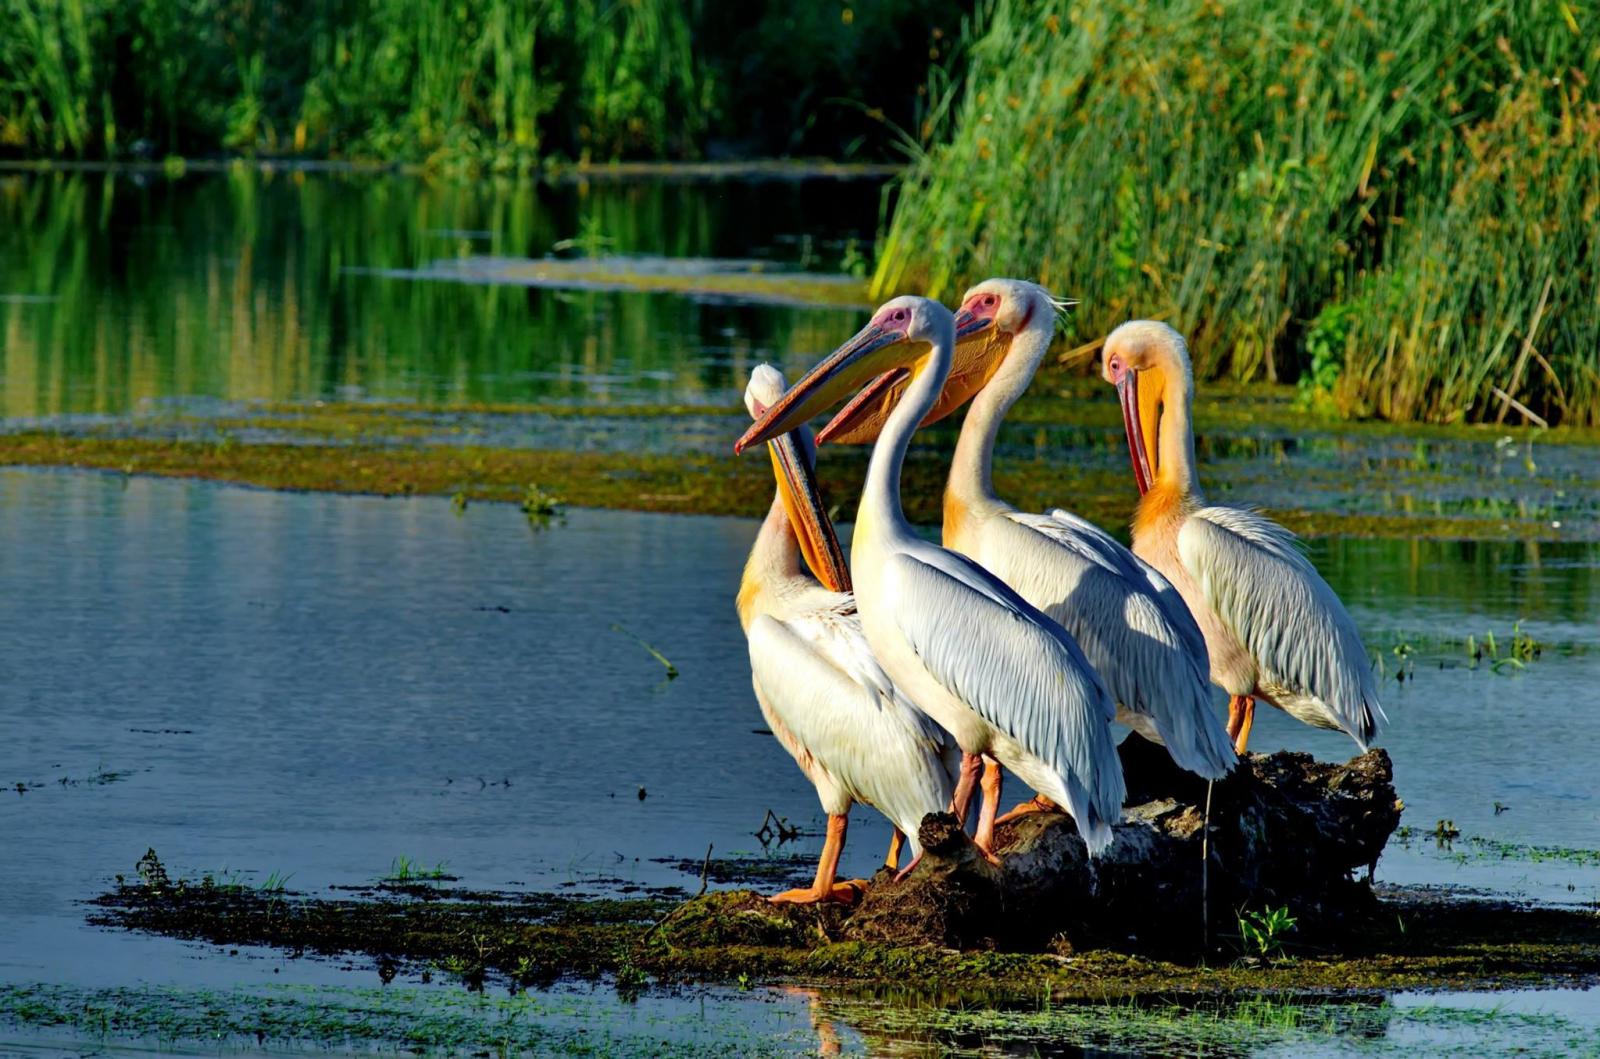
<point>1140,358</point>
<point>794,457</point>
<point>992,314</point>
<point>897,341</point>
<point>1005,307</point>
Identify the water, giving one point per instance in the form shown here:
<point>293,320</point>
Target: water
<point>117,291</point>
<point>316,685</point>
<point>313,686</point>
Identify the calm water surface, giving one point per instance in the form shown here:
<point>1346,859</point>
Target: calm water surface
<point>118,291</point>
<point>315,686</point>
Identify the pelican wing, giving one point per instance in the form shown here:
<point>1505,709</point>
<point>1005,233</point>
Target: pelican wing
<point>1020,671</point>
<point>842,719</point>
<point>1311,659</point>
<point>1090,540</point>
<point>1135,629</point>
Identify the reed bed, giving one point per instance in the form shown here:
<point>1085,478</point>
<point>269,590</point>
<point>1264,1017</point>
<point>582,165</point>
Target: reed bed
<point>494,84</point>
<point>392,79</point>
<point>1394,202</point>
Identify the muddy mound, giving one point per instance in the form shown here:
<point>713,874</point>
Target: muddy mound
<point>1285,832</point>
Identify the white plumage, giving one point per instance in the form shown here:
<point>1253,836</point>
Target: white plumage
<point>1308,654</point>
<point>994,671</point>
<point>1130,622</point>
<point>1026,693</point>
<point>823,694</point>
<point>1132,625</point>
<point>1273,627</point>
<point>839,716</point>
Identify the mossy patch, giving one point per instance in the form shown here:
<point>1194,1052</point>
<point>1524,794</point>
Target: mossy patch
<point>1408,941</point>
<point>690,483</point>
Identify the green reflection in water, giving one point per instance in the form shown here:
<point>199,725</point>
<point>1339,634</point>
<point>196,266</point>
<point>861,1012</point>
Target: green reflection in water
<point>116,290</point>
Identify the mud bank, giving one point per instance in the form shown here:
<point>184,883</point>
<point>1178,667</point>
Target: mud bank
<point>1289,838</point>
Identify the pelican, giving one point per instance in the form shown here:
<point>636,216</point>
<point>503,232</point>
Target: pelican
<point>997,674</point>
<point>1274,628</point>
<point>1132,625</point>
<point>821,691</point>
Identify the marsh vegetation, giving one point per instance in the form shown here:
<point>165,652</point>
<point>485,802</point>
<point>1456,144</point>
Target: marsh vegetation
<point>1391,203</point>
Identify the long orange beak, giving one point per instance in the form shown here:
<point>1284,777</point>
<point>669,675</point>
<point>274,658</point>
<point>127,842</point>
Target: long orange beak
<point>979,351</point>
<point>808,514</point>
<point>1140,420</point>
<point>871,352</point>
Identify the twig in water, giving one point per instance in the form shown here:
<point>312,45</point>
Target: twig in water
<point>1205,873</point>
<point>672,670</point>
<point>705,870</point>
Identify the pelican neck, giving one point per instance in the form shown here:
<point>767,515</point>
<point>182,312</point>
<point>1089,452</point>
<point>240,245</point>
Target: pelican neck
<point>971,478</point>
<point>881,511</point>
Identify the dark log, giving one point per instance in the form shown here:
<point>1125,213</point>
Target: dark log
<point>1285,830</point>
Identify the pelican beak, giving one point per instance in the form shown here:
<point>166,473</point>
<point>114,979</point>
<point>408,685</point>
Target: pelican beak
<point>979,351</point>
<point>871,352</point>
<point>859,422</point>
<point>1141,419</point>
<point>969,323</point>
<point>802,499</point>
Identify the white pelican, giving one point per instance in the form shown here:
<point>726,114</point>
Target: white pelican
<point>1000,676</point>
<point>1131,623</point>
<point>822,693</point>
<point>1275,630</point>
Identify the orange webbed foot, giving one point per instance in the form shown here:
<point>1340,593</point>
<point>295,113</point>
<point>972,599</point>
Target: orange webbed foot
<point>844,893</point>
<point>1038,804</point>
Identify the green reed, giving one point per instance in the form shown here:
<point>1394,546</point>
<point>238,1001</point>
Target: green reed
<point>483,83</point>
<point>1377,192</point>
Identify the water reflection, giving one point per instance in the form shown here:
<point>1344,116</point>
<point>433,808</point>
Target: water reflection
<point>317,684</point>
<point>117,290</point>
<point>908,1023</point>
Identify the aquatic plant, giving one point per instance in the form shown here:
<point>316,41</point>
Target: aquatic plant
<point>1523,650</point>
<point>1393,202</point>
<point>1265,930</point>
<point>539,506</point>
<point>152,873</point>
<point>404,869</point>
<point>672,670</point>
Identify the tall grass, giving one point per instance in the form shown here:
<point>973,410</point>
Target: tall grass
<point>1373,194</point>
<point>490,83</point>
<point>395,79</point>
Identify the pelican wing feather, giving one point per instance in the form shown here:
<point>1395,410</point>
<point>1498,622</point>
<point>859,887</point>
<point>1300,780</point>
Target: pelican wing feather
<point>1020,671</point>
<point>1087,538</point>
<point>838,714</point>
<point>1133,626</point>
<point>1309,653</point>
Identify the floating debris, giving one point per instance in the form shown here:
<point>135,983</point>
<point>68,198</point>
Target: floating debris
<point>672,670</point>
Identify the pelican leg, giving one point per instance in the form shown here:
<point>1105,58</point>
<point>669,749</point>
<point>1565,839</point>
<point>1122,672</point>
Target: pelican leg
<point>1037,804</point>
<point>824,888</point>
<point>984,839</point>
<point>1241,715</point>
<point>971,765</point>
<point>896,841</point>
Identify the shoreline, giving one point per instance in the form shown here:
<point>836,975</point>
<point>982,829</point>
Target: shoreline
<point>546,172</point>
<point>678,484</point>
